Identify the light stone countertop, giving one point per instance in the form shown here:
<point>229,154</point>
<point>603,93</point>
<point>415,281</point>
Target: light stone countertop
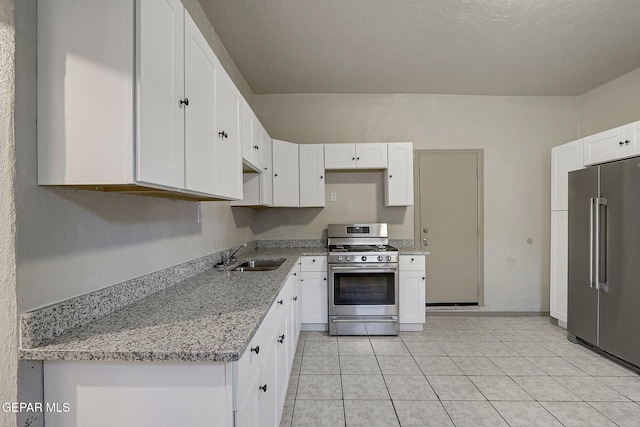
<point>209,317</point>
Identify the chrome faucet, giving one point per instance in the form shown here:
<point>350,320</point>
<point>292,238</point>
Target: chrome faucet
<point>228,256</point>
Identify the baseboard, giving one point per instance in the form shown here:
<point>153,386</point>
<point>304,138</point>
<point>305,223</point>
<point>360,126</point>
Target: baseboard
<point>478,311</point>
<point>411,327</point>
<point>314,327</point>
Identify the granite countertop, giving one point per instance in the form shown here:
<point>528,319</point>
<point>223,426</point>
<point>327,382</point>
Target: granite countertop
<point>209,317</point>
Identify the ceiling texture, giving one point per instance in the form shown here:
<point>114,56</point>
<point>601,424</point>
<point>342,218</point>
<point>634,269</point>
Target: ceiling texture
<point>472,47</point>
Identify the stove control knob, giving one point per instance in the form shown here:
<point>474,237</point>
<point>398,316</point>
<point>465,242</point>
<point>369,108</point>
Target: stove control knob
<point>380,258</point>
<point>364,258</point>
<point>388,257</point>
<point>340,258</point>
<point>348,258</point>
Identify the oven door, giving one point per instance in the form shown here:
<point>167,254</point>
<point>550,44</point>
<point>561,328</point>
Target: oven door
<point>363,290</point>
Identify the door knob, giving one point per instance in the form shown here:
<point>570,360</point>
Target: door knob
<point>425,242</point>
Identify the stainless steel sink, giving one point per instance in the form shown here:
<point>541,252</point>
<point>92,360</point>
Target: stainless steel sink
<point>260,265</point>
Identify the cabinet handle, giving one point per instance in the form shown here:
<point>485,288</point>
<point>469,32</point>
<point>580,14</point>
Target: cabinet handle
<point>184,101</point>
<point>263,388</point>
<point>256,349</point>
<point>281,340</point>
<point>627,142</point>
<point>325,279</point>
<point>256,147</point>
<point>321,176</point>
<point>281,302</point>
<point>295,274</point>
<point>275,174</point>
<point>295,298</point>
<point>357,158</point>
<point>353,159</point>
<point>621,143</point>
<point>222,134</point>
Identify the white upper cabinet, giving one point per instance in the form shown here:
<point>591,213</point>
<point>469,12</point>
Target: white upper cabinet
<point>286,179</point>
<point>355,156</point>
<point>136,104</point>
<point>564,159</point>
<point>227,163</point>
<point>398,190</point>
<point>311,175</point>
<point>160,142</point>
<point>610,145</point>
<point>251,137</point>
<point>266,177</point>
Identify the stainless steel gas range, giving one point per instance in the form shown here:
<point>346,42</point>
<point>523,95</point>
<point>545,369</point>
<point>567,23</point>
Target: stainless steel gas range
<point>363,280</point>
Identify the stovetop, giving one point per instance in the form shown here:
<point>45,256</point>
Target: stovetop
<point>362,248</point>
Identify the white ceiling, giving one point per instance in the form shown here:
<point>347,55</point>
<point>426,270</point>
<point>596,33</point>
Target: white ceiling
<point>489,47</point>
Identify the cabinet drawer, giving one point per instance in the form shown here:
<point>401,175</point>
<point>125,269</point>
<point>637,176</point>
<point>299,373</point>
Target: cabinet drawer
<point>314,263</point>
<point>412,262</point>
<point>246,369</point>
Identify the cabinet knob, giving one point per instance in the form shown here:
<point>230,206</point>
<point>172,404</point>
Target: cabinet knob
<point>313,260</point>
<point>413,259</point>
<point>275,174</point>
<point>357,158</point>
<point>266,169</point>
<point>281,302</point>
<point>256,349</point>
<point>295,274</point>
<point>423,278</point>
<point>184,101</point>
<point>353,159</point>
<point>321,176</point>
<point>627,142</point>
<point>325,279</point>
<point>621,143</point>
<point>256,147</point>
<point>295,298</point>
<point>263,388</point>
<point>222,134</point>
<point>281,339</point>
<point>390,176</point>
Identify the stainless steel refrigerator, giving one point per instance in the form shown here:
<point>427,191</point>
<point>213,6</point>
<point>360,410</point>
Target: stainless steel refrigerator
<point>604,258</point>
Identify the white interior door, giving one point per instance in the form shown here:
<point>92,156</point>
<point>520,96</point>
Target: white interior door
<point>449,225</point>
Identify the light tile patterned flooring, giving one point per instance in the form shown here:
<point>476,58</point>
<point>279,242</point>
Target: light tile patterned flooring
<point>462,371</point>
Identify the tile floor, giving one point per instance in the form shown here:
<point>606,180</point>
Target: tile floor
<point>461,371</point>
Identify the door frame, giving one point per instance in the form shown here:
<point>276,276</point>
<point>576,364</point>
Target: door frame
<point>480,212</point>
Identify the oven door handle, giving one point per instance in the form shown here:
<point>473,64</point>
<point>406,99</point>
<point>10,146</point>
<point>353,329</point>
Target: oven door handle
<point>376,267</point>
<point>366,319</point>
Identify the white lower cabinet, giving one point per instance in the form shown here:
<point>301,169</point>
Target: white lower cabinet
<point>315,293</point>
<point>412,292</point>
<point>249,392</point>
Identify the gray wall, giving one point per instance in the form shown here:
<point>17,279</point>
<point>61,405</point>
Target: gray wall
<point>72,242</point>
<point>516,134</point>
<point>610,105</point>
<point>8,308</point>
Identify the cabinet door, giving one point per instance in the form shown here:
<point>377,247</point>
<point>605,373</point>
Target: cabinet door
<point>246,133</point>
<point>250,413</point>
<point>228,160</point>
<point>315,297</point>
<point>268,382</point>
<point>399,175</point>
<point>256,143</point>
<point>266,177</point>
<point>371,156</point>
<point>634,147</point>
<point>559,265</point>
<point>286,187</point>
<point>160,139</point>
<point>311,175</point>
<point>282,362</point>
<point>564,159</point>
<point>339,156</point>
<point>200,65</point>
<point>412,296</point>
<point>608,145</point>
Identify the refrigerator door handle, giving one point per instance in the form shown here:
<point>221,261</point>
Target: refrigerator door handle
<point>592,208</point>
<point>600,258</point>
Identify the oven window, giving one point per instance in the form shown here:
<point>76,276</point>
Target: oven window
<point>364,289</point>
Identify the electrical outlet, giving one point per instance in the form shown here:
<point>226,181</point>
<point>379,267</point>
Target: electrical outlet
<point>334,197</point>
